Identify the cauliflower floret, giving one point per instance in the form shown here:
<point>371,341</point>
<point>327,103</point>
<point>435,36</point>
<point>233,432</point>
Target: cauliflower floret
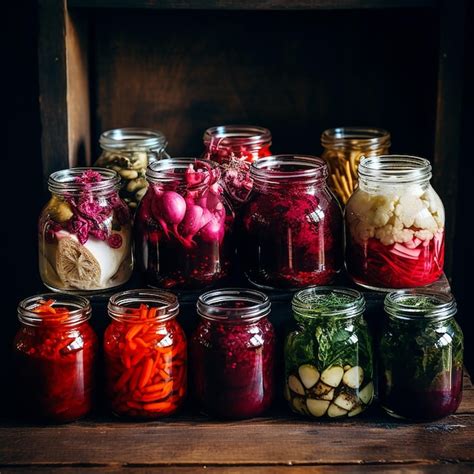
<point>435,206</point>
<point>424,220</point>
<point>407,209</point>
<point>424,234</point>
<point>363,232</point>
<point>382,209</point>
<point>385,234</point>
<point>403,235</point>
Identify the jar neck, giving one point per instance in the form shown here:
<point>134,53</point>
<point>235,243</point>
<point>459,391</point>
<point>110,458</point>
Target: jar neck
<point>325,303</point>
<point>361,139</point>
<point>394,171</point>
<point>54,310</point>
<point>233,306</point>
<point>133,139</point>
<point>283,171</point>
<point>80,181</point>
<point>190,173</point>
<point>237,138</point>
<point>146,306</point>
<point>420,306</point>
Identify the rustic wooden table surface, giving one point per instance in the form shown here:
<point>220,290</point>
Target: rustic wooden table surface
<point>279,442</point>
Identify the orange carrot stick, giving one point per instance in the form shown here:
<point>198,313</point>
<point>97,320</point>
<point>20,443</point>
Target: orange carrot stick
<point>146,373</point>
<point>133,331</point>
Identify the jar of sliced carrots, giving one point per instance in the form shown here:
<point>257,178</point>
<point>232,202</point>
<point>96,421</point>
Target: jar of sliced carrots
<point>54,358</point>
<point>145,354</point>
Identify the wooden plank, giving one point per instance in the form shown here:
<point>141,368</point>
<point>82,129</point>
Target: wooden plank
<point>447,154</point>
<point>64,88</point>
<point>199,441</point>
<point>416,468</point>
<point>252,4</point>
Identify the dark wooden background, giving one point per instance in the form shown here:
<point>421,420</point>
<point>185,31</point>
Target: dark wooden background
<point>294,72</point>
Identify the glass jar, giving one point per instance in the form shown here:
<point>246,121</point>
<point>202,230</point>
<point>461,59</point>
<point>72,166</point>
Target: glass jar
<point>129,151</point>
<point>85,232</point>
<point>183,225</point>
<point>145,354</point>
<point>394,225</point>
<point>232,353</point>
<point>421,355</point>
<point>235,147</point>
<point>343,149</point>
<point>328,357</point>
<point>291,231</point>
<point>54,358</point>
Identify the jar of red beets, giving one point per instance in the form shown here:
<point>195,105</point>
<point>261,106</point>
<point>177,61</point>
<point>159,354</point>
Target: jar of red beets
<point>184,224</point>
<point>54,358</point>
<point>235,147</point>
<point>291,229</point>
<point>232,353</point>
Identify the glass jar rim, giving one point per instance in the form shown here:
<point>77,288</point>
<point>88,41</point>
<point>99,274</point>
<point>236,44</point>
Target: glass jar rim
<point>63,181</point>
<point>420,304</point>
<point>237,135</point>
<point>304,169</point>
<point>306,303</point>
<point>79,309</point>
<point>121,303</point>
<point>355,137</point>
<point>171,170</point>
<point>395,169</point>
<point>132,138</point>
<point>219,305</point>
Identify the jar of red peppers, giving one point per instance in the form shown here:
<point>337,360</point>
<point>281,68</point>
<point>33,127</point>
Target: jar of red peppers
<point>394,225</point>
<point>145,354</point>
<point>184,224</point>
<point>235,147</point>
<point>421,355</point>
<point>232,353</point>
<point>54,358</point>
<point>291,231</point>
<point>85,232</point>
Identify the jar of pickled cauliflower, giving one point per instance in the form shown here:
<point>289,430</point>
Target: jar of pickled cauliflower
<point>343,149</point>
<point>394,225</point>
<point>232,353</point>
<point>328,356</point>
<point>184,225</point>
<point>291,229</point>
<point>235,147</point>
<point>129,151</point>
<point>85,232</point>
<point>421,355</point>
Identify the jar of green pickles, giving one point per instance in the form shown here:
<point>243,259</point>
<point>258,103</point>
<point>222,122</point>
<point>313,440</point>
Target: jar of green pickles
<point>421,355</point>
<point>128,151</point>
<point>328,357</point>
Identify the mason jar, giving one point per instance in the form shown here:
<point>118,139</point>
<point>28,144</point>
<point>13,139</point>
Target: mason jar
<point>343,149</point>
<point>235,148</point>
<point>85,241</point>
<point>145,354</point>
<point>232,353</point>
<point>394,225</point>
<point>421,355</point>
<point>129,151</point>
<point>291,229</point>
<point>328,356</point>
<point>54,358</point>
<point>184,225</point>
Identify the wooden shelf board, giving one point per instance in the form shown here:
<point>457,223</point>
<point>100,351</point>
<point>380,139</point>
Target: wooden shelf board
<point>251,4</point>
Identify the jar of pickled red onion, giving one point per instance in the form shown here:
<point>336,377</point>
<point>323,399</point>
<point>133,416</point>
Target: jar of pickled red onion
<point>235,147</point>
<point>394,225</point>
